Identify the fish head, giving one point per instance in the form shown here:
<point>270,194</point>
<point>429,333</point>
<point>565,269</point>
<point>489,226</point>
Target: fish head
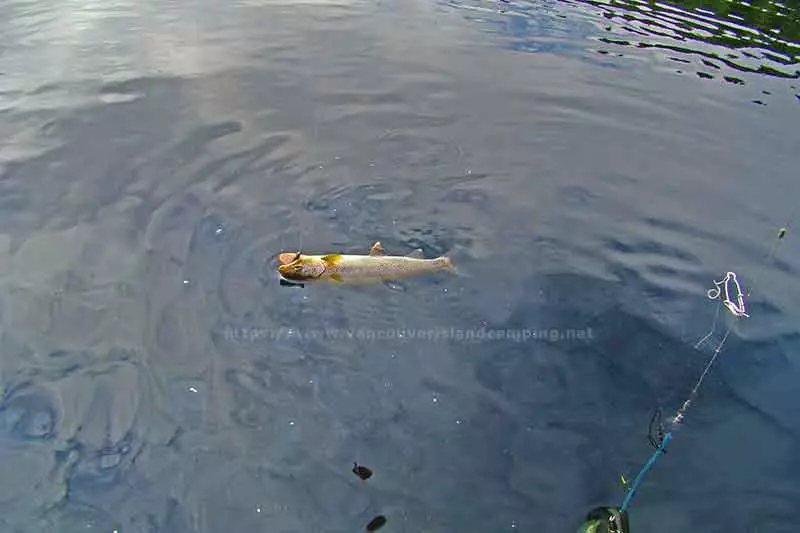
<point>302,268</point>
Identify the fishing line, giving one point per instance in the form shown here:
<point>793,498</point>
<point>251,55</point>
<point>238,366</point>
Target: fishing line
<point>729,291</point>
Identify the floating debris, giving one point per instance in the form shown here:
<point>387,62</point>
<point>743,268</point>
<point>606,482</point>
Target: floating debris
<point>376,523</point>
<point>362,471</point>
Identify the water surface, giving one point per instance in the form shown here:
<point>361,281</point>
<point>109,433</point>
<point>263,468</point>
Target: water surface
<point>590,166</point>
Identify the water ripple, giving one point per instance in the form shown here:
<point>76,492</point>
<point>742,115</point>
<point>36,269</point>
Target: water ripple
<point>28,414</point>
<point>156,157</point>
<point>761,37</point>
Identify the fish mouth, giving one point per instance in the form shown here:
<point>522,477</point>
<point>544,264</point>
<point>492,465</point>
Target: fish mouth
<point>288,274</point>
<point>295,279</point>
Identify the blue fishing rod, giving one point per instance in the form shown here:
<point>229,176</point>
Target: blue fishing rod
<point>615,519</point>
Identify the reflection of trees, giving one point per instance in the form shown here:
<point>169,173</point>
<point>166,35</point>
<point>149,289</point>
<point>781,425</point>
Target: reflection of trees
<point>772,27</point>
<point>764,15</point>
<point>783,21</point>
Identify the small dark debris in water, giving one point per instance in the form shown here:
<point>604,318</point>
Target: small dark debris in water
<point>376,523</point>
<point>604,52</point>
<point>679,71</point>
<point>285,283</point>
<point>362,471</point>
<point>759,102</point>
<point>797,96</point>
<point>766,92</point>
<point>705,75</point>
<point>710,64</point>
<point>735,81</point>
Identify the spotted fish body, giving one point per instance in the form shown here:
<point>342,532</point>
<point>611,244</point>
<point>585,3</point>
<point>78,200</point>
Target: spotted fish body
<point>375,267</point>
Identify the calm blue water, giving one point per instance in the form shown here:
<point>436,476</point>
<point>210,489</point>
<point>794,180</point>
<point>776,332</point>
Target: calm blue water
<point>591,168</point>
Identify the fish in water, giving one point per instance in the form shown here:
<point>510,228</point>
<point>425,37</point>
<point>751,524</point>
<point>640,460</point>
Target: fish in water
<point>374,267</point>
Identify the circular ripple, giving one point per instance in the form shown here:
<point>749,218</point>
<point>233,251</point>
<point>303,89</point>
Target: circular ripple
<point>29,414</point>
<point>73,516</point>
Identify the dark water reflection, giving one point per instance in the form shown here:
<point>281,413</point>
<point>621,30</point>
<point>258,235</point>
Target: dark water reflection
<point>590,167</point>
<point>759,37</point>
<point>709,39</point>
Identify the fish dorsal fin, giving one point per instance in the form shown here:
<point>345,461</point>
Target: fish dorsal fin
<point>288,257</point>
<point>377,249</point>
<point>416,254</point>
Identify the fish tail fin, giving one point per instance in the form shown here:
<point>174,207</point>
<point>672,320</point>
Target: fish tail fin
<point>447,265</point>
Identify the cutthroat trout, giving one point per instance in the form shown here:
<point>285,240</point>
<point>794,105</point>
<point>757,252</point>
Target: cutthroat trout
<point>375,267</point>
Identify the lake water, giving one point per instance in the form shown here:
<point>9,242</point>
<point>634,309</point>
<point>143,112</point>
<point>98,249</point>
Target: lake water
<point>591,168</point>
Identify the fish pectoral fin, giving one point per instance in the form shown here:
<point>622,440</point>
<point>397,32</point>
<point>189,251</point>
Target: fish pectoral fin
<point>331,259</point>
<point>416,254</point>
<point>337,278</point>
<point>377,249</point>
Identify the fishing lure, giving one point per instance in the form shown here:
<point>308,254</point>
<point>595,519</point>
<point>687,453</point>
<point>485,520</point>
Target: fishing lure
<point>737,307</point>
